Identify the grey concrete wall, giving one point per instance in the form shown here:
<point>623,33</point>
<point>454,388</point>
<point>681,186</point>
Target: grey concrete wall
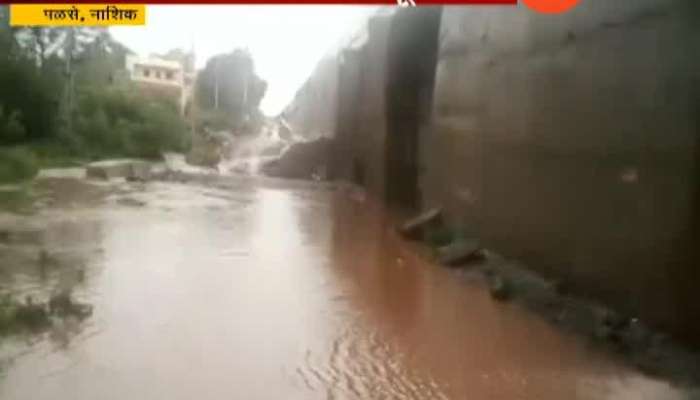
<point>361,126</point>
<point>570,142</point>
<point>344,99</point>
<point>349,70</point>
<point>311,114</point>
<point>410,77</point>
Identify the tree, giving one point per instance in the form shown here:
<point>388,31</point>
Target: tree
<point>57,101</point>
<point>28,98</point>
<point>100,60</point>
<point>228,83</point>
<point>186,58</point>
<point>8,44</point>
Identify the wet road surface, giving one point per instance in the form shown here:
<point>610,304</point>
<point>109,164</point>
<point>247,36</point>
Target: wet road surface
<point>249,290</point>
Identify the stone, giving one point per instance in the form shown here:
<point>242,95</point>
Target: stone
<point>80,275</point>
<point>107,171</point>
<point>284,131</point>
<point>608,324</point>
<point>499,288</point>
<point>22,236</point>
<point>460,253</point>
<point>44,258</point>
<point>274,150</point>
<point>602,332</point>
<point>614,327</point>
<point>320,173</point>
<point>415,227</point>
<point>62,304</point>
<point>636,336</point>
<point>130,202</point>
<point>301,160</point>
<point>139,172</point>
<point>613,319</point>
<point>559,287</point>
<point>441,236</point>
<point>129,169</point>
<point>32,315</point>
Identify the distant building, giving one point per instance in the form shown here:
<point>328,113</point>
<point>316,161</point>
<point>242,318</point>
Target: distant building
<point>162,76</point>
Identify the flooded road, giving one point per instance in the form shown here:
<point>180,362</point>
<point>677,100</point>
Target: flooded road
<point>257,290</point>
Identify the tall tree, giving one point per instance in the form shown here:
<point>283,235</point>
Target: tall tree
<point>27,95</point>
<point>228,83</point>
<point>38,69</point>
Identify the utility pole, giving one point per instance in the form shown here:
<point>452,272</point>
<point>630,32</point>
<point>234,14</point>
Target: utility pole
<point>193,86</point>
<point>245,90</point>
<point>216,84</point>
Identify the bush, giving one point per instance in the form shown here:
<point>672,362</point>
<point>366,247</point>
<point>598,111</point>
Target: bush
<point>8,311</point>
<point>59,153</point>
<point>118,123</point>
<point>17,164</point>
<point>29,98</point>
<point>11,128</point>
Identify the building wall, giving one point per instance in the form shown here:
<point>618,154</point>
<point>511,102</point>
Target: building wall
<point>157,76</point>
<point>160,78</point>
<point>570,142</point>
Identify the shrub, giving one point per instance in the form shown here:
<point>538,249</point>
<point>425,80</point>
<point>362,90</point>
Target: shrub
<point>11,128</point>
<point>119,123</point>
<point>59,153</point>
<point>17,164</point>
<point>34,95</point>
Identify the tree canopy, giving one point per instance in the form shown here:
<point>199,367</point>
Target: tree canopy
<point>228,83</point>
<point>59,95</point>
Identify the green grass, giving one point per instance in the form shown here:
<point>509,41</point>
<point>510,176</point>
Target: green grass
<point>55,155</point>
<point>18,199</point>
<point>17,164</point>
<point>8,313</point>
<point>107,124</point>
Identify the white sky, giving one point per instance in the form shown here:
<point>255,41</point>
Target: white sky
<point>286,41</point>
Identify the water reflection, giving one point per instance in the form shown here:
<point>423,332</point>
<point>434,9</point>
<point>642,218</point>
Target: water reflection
<point>274,292</point>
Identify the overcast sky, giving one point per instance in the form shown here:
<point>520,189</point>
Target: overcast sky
<point>286,41</point>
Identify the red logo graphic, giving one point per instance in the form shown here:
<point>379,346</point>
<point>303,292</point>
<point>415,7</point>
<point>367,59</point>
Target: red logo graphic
<point>551,6</point>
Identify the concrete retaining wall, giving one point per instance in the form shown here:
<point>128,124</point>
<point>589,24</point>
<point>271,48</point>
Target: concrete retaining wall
<point>570,142</point>
<point>312,113</point>
<point>361,125</point>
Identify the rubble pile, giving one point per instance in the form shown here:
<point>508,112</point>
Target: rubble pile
<point>302,160</point>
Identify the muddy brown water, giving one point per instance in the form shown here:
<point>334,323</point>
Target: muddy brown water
<point>255,291</point>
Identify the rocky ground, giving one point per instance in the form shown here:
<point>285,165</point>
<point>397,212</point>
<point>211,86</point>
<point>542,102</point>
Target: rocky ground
<point>629,338</point>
